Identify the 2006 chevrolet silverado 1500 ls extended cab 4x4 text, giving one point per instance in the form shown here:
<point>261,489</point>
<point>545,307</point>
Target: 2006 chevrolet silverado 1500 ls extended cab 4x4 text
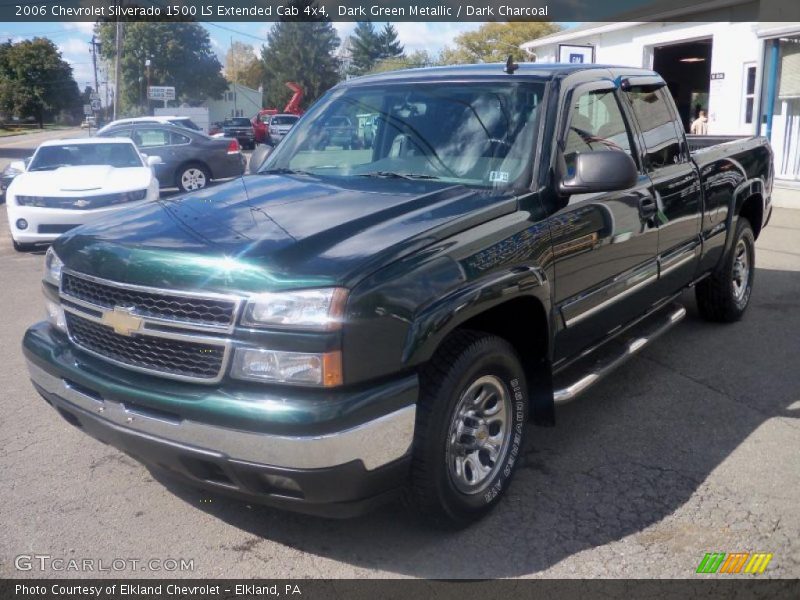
<point>350,323</point>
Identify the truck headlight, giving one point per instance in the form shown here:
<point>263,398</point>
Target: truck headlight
<point>258,364</point>
<point>52,267</point>
<point>316,310</point>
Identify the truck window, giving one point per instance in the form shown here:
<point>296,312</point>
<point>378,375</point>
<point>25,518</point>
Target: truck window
<point>596,123</point>
<point>661,140</point>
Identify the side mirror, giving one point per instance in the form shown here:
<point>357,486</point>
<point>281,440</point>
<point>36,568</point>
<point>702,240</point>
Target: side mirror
<point>152,161</point>
<point>258,157</point>
<point>18,165</point>
<point>599,171</point>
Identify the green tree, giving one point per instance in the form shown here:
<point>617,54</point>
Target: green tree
<point>416,59</point>
<point>370,46</point>
<point>493,42</point>
<point>389,45</point>
<point>302,52</point>
<point>36,81</point>
<point>180,55</point>
<point>365,47</point>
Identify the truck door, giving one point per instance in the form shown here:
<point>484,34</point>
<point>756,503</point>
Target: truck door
<point>604,245</point>
<point>676,182</point>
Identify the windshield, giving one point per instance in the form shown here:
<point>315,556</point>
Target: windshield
<point>475,133</point>
<point>187,123</point>
<point>120,156</point>
<point>238,122</point>
<point>282,120</point>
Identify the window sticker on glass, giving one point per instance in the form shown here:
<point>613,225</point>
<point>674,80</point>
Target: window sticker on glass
<point>498,176</point>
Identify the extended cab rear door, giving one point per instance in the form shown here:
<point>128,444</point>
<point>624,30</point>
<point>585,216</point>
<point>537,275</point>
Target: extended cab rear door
<point>604,244</point>
<point>675,179</point>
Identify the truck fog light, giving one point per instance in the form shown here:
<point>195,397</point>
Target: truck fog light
<point>55,315</point>
<point>22,224</point>
<point>257,364</point>
<point>279,482</point>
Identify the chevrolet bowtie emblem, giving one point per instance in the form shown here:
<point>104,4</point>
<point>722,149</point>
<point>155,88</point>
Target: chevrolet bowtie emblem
<point>122,320</point>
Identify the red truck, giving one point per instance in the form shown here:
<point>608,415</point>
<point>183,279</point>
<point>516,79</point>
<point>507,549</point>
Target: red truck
<point>262,117</point>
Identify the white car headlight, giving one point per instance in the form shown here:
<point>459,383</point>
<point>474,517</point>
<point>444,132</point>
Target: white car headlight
<point>258,364</point>
<point>317,310</point>
<point>52,267</point>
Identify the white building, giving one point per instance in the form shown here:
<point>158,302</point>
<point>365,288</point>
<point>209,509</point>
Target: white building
<point>746,75</point>
<point>237,101</point>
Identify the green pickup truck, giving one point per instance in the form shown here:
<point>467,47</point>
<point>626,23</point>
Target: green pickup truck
<point>355,322</point>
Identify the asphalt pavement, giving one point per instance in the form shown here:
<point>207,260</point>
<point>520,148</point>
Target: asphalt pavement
<point>691,447</point>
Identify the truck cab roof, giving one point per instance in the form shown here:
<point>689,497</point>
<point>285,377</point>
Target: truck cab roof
<point>524,70</point>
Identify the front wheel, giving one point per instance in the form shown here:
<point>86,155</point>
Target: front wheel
<point>470,428</point>
<point>724,295</point>
<point>193,177</point>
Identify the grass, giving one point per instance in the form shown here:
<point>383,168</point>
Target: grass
<point>16,130</point>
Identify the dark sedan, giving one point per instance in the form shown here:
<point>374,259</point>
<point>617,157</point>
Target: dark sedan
<point>190,159</point>
<point>241,129</point>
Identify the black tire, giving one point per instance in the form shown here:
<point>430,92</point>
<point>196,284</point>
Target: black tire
<point>719,297</point>
<point>184,172</point>
<point>465,359</point>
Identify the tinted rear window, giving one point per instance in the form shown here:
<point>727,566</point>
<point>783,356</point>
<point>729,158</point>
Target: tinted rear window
<point>239,122</point>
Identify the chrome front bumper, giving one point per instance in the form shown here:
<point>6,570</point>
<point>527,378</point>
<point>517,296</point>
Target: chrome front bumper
<point>375,443</point>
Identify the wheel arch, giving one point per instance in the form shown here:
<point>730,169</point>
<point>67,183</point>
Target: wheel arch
<point>522,318</point>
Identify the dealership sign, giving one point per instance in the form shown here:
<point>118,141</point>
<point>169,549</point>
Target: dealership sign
<point>161,92</point>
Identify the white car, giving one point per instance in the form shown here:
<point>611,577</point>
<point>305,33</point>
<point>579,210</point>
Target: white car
<point>71,182</point>
<point>155,120</point>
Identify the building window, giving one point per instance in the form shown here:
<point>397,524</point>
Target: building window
<point>748,108</point>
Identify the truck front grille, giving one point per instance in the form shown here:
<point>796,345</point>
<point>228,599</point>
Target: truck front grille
<point>177,307</point>
<point>176,358</point>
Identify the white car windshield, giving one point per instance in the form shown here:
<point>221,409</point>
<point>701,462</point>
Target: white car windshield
<point>48,158</point>
<point>476,133</point>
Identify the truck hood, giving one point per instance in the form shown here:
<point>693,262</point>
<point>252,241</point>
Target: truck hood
<point>267,232</point>
<point>85,180</point>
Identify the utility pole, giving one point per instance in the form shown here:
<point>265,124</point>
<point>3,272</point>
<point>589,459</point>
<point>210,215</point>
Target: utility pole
<point>233,66</point>
<point>94,44</point>
<point>117,74</point>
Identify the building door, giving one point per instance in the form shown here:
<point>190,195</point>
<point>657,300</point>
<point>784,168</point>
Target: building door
<point>686,67</point>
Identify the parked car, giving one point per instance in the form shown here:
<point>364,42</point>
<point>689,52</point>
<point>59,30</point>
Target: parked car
<point>278,126</point>
<point>190,160</point>
<point>338,130</point>
<point>184,122</point>
<point>240,128</point>
<point>88,123</point>
<point>349,325</point>
<point>76,181</point>
<point>259,123</point>
<point>215,128</point>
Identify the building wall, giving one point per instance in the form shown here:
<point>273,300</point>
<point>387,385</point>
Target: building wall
<point>734,46</point>
<point>247,103</point>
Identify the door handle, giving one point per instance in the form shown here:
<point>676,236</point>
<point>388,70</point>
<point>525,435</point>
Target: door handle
<point>647,207</point>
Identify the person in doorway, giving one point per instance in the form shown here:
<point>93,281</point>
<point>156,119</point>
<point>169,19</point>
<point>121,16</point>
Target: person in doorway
<point>700,124</point>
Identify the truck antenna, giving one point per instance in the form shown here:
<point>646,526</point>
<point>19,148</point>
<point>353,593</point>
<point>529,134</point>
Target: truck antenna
<point>511,66</point>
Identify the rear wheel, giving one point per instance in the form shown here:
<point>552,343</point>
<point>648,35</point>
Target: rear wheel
<point>193,177</point>
<point>470,428</point>
<point>725,294</point>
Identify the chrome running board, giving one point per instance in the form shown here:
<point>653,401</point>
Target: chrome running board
<point>580,375</point>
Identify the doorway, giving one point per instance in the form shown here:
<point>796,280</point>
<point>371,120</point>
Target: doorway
<point>686,67</point>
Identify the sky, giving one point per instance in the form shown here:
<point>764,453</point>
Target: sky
<point>73,38</point>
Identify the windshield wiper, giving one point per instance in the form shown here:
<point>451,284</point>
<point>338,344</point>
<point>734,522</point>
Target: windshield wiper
<point>393,175</point>
<point>283,171</point>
